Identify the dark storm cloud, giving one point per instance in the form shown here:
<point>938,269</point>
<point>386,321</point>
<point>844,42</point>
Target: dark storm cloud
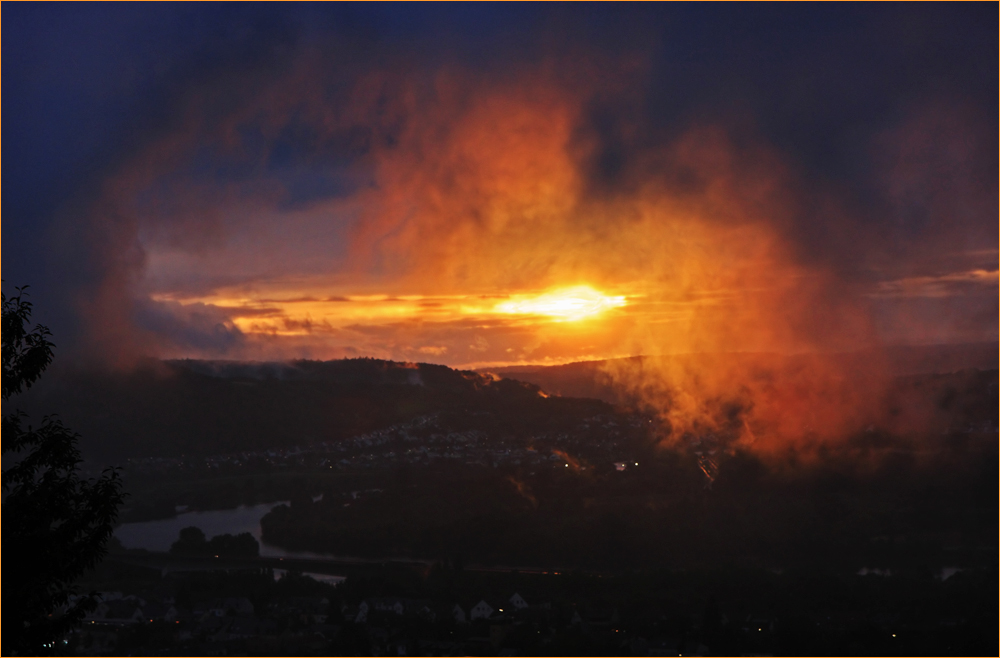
<point>198,329</point>
<point>884,115</point>
<point>88,86</point>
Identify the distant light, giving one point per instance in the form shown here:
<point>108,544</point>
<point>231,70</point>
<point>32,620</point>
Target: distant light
<point>637,463</point>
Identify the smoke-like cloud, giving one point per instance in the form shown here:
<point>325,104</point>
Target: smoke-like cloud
<point>317,186</point>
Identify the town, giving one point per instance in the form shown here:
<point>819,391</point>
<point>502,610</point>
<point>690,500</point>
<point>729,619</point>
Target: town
<point>421,441</point>
<point>165,486</point>
<point>448,610</point>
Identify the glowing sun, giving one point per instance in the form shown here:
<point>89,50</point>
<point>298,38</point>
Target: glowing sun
<point>574,303</point>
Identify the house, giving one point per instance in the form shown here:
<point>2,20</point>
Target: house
<point>374,604</point>
<point>122,611</point>
<point>212,627</point>
<point>115,608</point>
<point>160,611</point>
<point>97,614</point>
<point>481,610</point>
<point>420,608</point>
<point>241,628</point>
<point>385,605</point>
<point>309,609</point>
<point>239,606</point>
<point>362,615</point>
<point>212,608</point>
<point>518,602</point>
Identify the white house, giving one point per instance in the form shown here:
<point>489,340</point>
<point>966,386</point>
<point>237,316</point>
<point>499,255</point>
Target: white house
<point>481,610</point>
<point>121,611</point>
<point>382,605</point>
<point>390,605</point>
<point>163,611</point>
<point>518,602</point>
<point>239,605</point>
<point>357,614</point>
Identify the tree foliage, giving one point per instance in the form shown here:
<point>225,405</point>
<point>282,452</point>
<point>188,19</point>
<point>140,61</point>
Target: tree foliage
<point>56,524</point>
<point>192,542</point>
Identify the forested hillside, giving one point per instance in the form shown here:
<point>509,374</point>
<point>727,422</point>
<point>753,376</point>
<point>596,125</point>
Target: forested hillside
<point>199,407</point>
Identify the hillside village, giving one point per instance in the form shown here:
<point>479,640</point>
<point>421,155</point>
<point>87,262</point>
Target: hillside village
<point>423,441</point>
<point>165,486</point>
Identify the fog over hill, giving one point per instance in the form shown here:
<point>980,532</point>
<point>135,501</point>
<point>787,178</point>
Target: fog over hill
<point>591,379</point>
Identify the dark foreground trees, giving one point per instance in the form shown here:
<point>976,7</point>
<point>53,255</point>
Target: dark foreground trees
<point>56,525</point>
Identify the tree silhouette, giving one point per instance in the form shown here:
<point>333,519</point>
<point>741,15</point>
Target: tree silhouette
<point>56,525</point>
<point>192,541</point>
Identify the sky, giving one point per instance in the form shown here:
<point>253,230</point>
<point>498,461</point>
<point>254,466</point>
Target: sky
<point>499,184</point>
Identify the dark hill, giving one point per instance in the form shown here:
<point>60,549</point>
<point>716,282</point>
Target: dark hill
<point>205,407</point>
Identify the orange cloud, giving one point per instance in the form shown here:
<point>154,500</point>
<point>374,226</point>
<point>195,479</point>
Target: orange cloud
<point>481,234</point>
<point>524,490</point>
<point>571,461</point>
